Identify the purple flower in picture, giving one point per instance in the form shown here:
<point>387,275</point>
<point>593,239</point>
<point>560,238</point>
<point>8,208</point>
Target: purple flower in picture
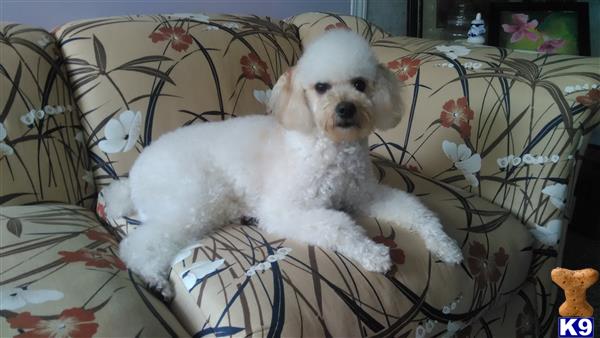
<point>521,28</point>
<point>551,46</point>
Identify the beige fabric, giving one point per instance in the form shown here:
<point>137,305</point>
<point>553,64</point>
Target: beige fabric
<point>311,25</point>
<point>175,70</point>
<point>59,267</point>
<point>506,103</point>
<point>514,103</point>
<point>313,292</point>
<point>42,152</point>
<point>493,239</point>
<point>511,117</point>
<point>519,318</point>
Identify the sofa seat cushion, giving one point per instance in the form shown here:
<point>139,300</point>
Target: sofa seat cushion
<point>243,280</point>
<point>59,267</point>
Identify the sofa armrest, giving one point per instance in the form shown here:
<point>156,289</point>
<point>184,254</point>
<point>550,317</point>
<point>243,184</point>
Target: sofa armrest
<point>503,124</point>
<point>42,152</point>
<point>71,275</point>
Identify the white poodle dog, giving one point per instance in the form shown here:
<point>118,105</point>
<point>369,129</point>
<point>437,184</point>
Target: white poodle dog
<point>304,171</point>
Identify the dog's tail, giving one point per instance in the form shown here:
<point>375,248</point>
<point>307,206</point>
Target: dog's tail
<point>117,197</point>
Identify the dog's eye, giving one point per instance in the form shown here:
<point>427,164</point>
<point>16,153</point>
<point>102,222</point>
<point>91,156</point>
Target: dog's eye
<point>322,87</point>
<point>359,84</point>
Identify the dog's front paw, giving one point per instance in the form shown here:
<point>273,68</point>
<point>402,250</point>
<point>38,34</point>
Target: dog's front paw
<point>376,258</point>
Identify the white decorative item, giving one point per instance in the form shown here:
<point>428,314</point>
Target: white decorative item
<point>476,34</point>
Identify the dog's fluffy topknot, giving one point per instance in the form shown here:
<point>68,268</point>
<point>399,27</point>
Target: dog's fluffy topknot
<point>337,54</point>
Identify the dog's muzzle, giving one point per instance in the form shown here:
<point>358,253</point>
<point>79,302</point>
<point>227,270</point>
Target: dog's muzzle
<point>344,115</point>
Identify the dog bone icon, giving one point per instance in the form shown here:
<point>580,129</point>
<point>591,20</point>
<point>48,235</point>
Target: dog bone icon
<point>575,283</point>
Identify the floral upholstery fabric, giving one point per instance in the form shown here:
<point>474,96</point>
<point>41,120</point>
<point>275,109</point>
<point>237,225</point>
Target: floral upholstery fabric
<point>138,77</point>
<point>520,117</point>
<point>245,281</point>
<point>61,277</point>
<point>497,252</point>
<point>311,25</point>
<point>488,140</point>
<point>505,125</point>
<point>42,151</point>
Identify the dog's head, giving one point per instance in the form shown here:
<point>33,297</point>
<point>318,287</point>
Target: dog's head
<point>337,88</point>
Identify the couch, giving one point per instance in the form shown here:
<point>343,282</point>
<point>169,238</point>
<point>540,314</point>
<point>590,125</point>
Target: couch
<point>489,140</point>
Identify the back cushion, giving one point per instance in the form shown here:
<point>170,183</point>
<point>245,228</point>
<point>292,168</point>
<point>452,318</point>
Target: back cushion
<point>492,121</point>
<point>135,78</point>
<point>42,156</point>
<point>312,24</point>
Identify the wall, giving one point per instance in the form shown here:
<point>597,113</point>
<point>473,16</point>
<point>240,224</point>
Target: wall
<point>51,13</point>
<point>594,9</point>
<point>390,15</point>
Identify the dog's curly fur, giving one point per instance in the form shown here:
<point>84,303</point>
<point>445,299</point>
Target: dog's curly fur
<point>303,171</point>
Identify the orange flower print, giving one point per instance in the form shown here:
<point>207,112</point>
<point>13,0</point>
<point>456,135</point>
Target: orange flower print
<point>255,68</point>
<point>100,258</point>
<point>180,40</point>
<point>405,68</point>
<point>396,253</point>
<point>75,322</point>
<point>457,113</point>
<point>339,25</point>
<point>591,99</point>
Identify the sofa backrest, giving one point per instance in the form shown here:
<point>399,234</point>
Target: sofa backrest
<point>135,78</point>
<point>42,154</point>
<point>504,124</point>
<point>312,24</point>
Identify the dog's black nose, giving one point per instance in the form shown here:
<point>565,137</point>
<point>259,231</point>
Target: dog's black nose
<point>345,109</point>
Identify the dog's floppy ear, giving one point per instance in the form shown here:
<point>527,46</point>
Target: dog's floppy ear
<point>289,105</point>
<point>387,104</point>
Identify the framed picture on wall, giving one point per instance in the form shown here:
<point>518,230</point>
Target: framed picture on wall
<point>561,28</point>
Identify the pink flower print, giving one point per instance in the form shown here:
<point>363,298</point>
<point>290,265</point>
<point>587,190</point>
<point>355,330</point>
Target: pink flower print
<point>551,46</point>
<point>521,28</point>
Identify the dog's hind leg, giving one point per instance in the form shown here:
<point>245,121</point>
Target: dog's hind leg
<point>329,229</point>
<point>149,250</point>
